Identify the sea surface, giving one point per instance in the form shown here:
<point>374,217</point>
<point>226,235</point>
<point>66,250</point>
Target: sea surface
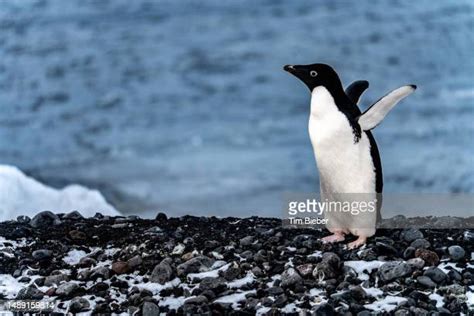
<point>183,106</point>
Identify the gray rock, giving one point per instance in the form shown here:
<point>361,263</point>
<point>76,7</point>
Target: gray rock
<point>393,270</point>
<point>247,254</point>
<point>454,289</point>
<point>66,289</point>
<point>401,312</point>
<point>197,300</point>
<point>275,290</point>
<point>134,261</point>
<point>75,215</point>
<point>329,267</point>
<point>420,243</point>
<point>358,292</point>
<point>426,282</point>
<point>42,254</point>
<point>216,285</point>
<point>290,277</point>
<point>456,252</point>
<point>78,304</point>
<point>29,293</point>
<point>195,265</point>
<point>246,241</point>
<point>55,279</point>
<point>416,263</point>
<point>411,234</point>
<point>447,222</point>
<point>331,258</point>
<point>23,219</point>
<point>45,219</point>
<point>86,262</point>
<point>435,274</point>
<point>409,252</point>
<point>468,235</point>
<point>305,270</point>
<point>150,309</point>
<point>100,272</point>
<point>162,273</point>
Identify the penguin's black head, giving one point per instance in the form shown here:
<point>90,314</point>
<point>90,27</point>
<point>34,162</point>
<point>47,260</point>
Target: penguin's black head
<point>316,75</point>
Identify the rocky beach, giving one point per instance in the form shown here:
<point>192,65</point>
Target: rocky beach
<point>207,265</point>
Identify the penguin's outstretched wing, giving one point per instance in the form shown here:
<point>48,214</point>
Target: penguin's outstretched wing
<point>355,90</point>
<point>377,111</point>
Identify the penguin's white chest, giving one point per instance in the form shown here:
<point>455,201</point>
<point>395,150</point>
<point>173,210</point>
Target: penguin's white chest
<point>345,165</point>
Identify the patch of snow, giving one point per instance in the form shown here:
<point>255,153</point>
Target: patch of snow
<point>388,303</point>
<point>438,298</point>
<point>20,195</point>
<point>262,311</point>
<point>74,256</point>
<point>9,286</point>
<point>360,266</point>
<point>238,283</point>
<point>172,302</point>
<point>317,254</point>
<point>178,249</point>
<point>289,308</point>
<point>153,287</point>
<point>470,297</point>
<point>212,273</point>
<point>318,296</point>
<point>234,298</point>
<point>217,255</point>
<point>445,265</point>
<point>274,278</point>
<point>373,291</point>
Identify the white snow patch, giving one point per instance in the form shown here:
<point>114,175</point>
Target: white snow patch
<point>470,297</point>
<point>318,295</point>
<point>20,195</point>
<point>155,288</point>
<point>74,256</point>
<point>373,291</point>
<point>211,273</point>
<point>274,278</point>
<point>178,249</point>
<point>172,302</point>
<point>445,265</point>
<point>262,311</point>
<point>234,298</point>
<point>317,254</point>
<point>360,266</point>
<point>387,303</point>
<point>289,308</point>
<point>438,298</point>
<point>238,283</point>
<point>9,286</point>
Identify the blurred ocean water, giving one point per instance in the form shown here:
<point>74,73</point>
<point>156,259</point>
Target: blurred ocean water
<point>183,106</point>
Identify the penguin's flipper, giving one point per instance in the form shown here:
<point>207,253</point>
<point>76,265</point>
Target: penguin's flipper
<point>377,111</point>
<point>355,90</point>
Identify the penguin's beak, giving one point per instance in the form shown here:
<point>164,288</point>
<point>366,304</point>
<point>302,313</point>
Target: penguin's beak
<point>291,69</point>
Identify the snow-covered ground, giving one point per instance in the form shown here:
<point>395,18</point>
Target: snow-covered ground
<point>22,195</point>
<point>183,106</point>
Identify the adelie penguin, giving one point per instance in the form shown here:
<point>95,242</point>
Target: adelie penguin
<point>346,153</point>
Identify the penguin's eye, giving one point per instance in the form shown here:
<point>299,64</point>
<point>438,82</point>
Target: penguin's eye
<point>313,73</point>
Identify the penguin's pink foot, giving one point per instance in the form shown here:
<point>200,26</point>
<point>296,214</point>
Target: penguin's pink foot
<point>357,243</point>
<point>336,237</point>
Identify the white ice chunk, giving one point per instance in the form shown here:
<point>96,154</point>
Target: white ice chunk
<point>23,195</point>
